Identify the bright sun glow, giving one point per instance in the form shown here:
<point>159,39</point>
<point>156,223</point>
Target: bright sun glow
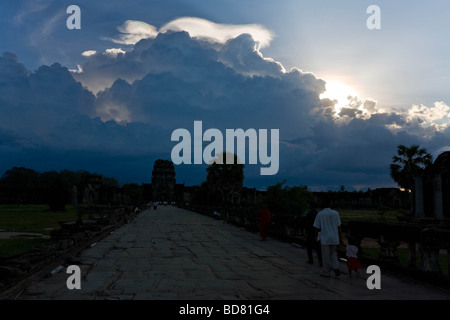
<point>339,91</point>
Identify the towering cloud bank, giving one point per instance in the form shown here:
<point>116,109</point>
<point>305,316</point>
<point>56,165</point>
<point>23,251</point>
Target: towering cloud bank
<point>122,104</point>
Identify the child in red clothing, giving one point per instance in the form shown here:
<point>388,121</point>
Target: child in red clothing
<point>352,258</point>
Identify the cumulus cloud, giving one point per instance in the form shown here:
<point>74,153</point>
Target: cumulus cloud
<point>169,78</point>
<point>437,115</point>
<point>11,72</point>
<point>233,45</point>
<point>242,55</point>
<point>132,31</point>
<point>205,29</point>
<point>88,53</point>
<point>35,101</point>
<point>192,81</point>
<point>79,69</point>
<point>114,52</point>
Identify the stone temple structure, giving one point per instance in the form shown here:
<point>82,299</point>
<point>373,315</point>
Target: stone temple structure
<point>163,181</point>
<point>432,190</point>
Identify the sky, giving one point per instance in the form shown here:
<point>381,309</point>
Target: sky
<point>107,97</point>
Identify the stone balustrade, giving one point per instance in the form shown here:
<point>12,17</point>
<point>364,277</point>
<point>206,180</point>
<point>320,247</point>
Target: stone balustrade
<point>427,238</point>
<point>72,236</point>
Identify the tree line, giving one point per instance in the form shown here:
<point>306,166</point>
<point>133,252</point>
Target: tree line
<point>224,180</point>
<point>223,183</point>
<point>55,188</point>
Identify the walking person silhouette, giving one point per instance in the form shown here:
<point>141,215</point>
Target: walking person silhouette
<point>312,241</point>
<point>329,224</point>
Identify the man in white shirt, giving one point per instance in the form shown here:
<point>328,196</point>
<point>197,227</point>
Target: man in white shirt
<point>329,224</point>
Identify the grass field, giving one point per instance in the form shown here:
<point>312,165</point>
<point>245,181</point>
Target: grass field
<point>31,219</point>
<point>14,246</point>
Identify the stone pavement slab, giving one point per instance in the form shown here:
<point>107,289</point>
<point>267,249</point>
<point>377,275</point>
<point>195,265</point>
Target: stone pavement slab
<point>172,254</point>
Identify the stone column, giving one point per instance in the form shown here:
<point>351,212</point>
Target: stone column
<point>437,197</point>
<point>418,190</point>
<point>412,254</point>
<point>430,243</point>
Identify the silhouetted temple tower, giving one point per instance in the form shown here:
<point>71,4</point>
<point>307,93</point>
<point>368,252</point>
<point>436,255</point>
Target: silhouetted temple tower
<point>163,180</point>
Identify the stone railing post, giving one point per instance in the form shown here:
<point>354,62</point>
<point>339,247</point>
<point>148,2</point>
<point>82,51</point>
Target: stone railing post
<point>412,254</point>
<point>429,251</point>
<point>388,249</point>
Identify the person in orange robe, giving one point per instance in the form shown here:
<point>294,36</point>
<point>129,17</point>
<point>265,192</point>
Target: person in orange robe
<point>264,222</point>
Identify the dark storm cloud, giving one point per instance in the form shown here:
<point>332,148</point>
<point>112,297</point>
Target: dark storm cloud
<point>241,55</point>
<point>167,82</point>
<point>194,80</point>
<point>35,102</point>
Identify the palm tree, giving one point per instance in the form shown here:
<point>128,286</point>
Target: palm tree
<point>408,163</point>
